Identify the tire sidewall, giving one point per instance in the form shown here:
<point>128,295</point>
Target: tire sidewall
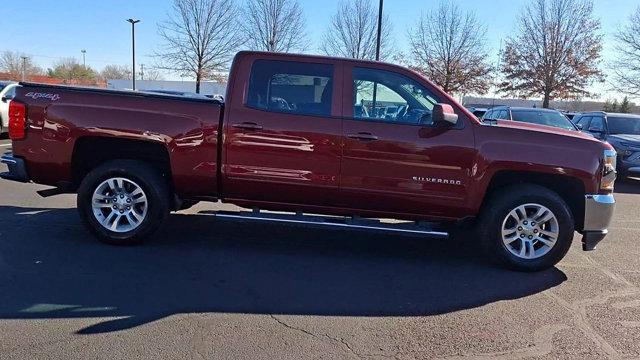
<point>143,176</point>
<point>492,233</point>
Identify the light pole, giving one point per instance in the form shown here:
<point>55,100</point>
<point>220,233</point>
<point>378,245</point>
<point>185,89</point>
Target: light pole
<point>84,58</point>
<point>133,48</point>
<point>379,37</point>
<point>24,68</point>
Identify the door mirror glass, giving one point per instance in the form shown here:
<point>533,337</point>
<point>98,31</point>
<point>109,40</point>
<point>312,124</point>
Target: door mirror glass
<point>444,114</point>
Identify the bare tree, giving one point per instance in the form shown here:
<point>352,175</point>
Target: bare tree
<point>275,25</point>
<point>353,29</point>
<point>14,64</point>
<point>626,68</point>
<point>556,53</point>
<point>152,74</point>
<point>449,47</point>
<point>200,38</point>
<point>116,72</point>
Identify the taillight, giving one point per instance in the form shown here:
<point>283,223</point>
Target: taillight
<point>17,120</point>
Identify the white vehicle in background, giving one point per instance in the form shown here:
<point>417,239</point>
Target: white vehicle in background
<point>7,92</point>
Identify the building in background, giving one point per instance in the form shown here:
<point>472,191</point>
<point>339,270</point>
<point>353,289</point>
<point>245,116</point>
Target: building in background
<point>206,88</point>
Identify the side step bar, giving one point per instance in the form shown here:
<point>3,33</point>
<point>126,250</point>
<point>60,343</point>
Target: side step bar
<point>416,228</point>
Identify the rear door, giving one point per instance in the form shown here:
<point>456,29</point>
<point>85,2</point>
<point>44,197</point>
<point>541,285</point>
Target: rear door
<point>282,132</point>
<point>395,160</point>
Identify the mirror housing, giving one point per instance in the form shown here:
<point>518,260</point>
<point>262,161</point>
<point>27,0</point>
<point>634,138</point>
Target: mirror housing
<point>5,99</point>
<point>443,113</point>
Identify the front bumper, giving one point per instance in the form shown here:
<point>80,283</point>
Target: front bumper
<point>598,212</point>
<point>17,168</point>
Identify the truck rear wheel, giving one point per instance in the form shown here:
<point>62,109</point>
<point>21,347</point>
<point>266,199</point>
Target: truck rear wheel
<point>526,228</point>
<point>123,201</point>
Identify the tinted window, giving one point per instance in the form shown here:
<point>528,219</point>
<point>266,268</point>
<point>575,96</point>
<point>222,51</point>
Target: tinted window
<point>11,93</point>
<point>597,124</point>
<point>502,115</point>
<point>624,125</point>
<point>385,95</point>
<point>549,118</point>
<point>584,122</point>
<point>488,115</point>
<point>292,87</point>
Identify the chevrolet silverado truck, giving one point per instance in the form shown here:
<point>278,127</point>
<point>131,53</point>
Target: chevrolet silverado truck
<point>319,141</point>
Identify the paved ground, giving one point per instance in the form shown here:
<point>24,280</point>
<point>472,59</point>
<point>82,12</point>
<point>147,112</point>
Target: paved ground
<point>205,288</point>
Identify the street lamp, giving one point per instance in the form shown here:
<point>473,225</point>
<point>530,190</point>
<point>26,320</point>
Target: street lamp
<point>379,37</point>
<point>84,58</point>
<point>133,48</point>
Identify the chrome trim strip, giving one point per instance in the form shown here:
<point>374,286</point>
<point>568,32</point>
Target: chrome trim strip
<point>331,224</point>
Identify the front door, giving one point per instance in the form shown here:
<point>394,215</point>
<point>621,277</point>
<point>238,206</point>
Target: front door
<point>282,143</point>
<point>395,159</point>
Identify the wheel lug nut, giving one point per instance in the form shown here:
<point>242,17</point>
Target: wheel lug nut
<point>530,237</point>
<point>522,236</point>
<point>533,223</point>
<point>115,207</point>
<point>128,200</point>
<point>519,228</point>
<point>121,211</point>
<point>535,231</point>
<point>121,196</point>
<point>525,222</point>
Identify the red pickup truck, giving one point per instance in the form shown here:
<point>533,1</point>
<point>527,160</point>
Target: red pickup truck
<point>348,141</point>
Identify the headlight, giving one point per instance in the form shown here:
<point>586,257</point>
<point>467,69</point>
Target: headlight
<point>608,171</point>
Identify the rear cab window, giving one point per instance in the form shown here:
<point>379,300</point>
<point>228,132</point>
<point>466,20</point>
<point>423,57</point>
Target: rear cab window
<point>291,87</point>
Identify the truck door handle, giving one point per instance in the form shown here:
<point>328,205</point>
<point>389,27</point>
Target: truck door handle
<point>363,136</point>
<point>248,126</point>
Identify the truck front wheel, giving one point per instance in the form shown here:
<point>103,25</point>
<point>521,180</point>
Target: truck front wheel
<point>526,227</point>
<point>123,201</point>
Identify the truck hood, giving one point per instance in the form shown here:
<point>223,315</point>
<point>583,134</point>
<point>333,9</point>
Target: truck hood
<point>628,138</point>
<point>543,129</point>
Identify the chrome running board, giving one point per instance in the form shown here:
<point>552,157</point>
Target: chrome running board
<point>332,222</point>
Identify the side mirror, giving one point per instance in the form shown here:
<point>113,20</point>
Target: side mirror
<point>5,99</point>
<point>443,113</point>
<point>580,127</point>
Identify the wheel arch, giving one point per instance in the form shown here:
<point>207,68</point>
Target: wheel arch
<point>570,189</point>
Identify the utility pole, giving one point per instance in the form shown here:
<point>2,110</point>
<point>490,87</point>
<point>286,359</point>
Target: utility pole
<point>133,48</point>
<point>84,58</point>
<point>24,68</point>
<point>379,37</point>
<point>378,44</point>
<point>141,71</point>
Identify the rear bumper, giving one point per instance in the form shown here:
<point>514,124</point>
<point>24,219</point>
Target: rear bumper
<point>17,168</point>
<point>598,212</point>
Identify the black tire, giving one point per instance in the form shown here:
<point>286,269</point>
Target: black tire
<point>148,178</point>
<point>502,203</point>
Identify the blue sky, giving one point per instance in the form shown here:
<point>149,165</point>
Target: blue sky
<point>49,30</point>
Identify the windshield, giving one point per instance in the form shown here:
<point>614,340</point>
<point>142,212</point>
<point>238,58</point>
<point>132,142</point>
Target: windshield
<point>548,118</point>
<point>624,125</point>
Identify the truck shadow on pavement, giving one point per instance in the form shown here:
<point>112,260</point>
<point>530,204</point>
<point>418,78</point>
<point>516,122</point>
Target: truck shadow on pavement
<point>50,267</point>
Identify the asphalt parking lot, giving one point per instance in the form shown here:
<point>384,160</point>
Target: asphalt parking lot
<point>207,288</point>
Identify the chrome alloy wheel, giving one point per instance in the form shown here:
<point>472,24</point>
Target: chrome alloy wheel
<point>530,231</point>
<point>119,204</point>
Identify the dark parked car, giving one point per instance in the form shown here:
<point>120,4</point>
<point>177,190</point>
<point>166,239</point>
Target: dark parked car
<point>620,130</point>
<point>546,117</point>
